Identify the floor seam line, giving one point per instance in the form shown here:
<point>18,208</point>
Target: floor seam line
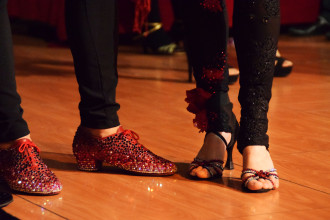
<point>19,196</point>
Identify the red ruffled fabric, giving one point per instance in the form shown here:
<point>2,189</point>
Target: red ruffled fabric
<point>197,99</point>
<point>142,9</point>
<point>212,5</point>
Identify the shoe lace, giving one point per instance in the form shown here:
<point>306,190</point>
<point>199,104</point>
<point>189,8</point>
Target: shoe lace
<point>27,150</point>
<point>133,136</point>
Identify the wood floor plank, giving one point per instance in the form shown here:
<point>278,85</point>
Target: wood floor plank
<point>321,214</point>
<point>103,195</point>
<point>22,208</point>
<point>310,169</point>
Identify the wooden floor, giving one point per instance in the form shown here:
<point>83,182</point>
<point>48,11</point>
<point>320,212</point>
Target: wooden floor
<point>151,92</point>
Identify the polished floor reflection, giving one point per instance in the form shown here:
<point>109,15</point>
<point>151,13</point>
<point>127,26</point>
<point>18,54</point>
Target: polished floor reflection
<point>151,92</point>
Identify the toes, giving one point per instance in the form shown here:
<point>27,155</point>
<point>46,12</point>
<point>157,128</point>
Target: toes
<point>203,173</point>
<point>195,170</point>
<point>275,181</point>
<point>254,185</point>
<point>263,183</point>
<point>192,173</point>
<point>266,184</point>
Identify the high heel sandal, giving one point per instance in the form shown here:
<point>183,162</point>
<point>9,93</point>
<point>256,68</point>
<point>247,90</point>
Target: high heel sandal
<point>217,165</point>
<point>255,175</point>
<point>280,70</point>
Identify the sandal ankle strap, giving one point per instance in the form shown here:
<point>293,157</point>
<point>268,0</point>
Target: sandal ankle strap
<point>220,136</point>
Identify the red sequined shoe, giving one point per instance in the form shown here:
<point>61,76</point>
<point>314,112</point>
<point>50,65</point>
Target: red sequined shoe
<point>121,150</point>
<point>24,171</point>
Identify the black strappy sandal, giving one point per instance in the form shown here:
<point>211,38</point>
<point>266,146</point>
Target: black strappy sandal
<point>255,175</point>
<point>217,165</point>
<point>280,70</point>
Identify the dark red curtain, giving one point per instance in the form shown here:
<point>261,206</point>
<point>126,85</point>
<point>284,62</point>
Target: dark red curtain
<point>52,12</point>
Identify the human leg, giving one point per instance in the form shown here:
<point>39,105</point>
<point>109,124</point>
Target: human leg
<point>206,30</point>
<point>20,164</point>
<point>92,33</point>
<point>256,30</point>
<point>12,125</point>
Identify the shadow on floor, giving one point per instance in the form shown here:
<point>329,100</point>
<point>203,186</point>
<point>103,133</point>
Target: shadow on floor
<point>228,182</point>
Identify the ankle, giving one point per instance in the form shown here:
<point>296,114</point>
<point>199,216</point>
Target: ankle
<point>227,136</point>
<point>8,144</point>
<point>257,157</point>
<point>102,132</point>
<point>254,149</point>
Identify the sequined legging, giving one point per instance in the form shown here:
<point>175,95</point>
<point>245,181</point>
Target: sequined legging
<point>256,29</point>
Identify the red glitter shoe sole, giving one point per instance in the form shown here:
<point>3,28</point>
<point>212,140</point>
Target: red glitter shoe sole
<point>121,150</point>
<point>24,171</point>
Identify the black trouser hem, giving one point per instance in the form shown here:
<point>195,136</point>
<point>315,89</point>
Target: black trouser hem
<point>100,124</point>
<point>14,130</point>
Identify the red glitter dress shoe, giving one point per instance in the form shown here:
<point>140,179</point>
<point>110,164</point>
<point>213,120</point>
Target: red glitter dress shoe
<point>121,150</point>
<point>24,171</point>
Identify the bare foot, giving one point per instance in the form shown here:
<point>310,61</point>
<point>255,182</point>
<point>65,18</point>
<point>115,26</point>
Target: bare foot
<point>102,132</point>
<point>8,144</point>
<point>258,158</point>
<point>213,149</point>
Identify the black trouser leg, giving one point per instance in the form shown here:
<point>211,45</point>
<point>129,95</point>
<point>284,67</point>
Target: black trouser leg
<point>206,35</point>
<point>256,30</point>
<point>154,15</point>
<point>92,33</point>
<point>12,125</point>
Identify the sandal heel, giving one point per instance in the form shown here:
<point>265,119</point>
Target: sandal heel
<point>229,163</point>
<point>88,164</point>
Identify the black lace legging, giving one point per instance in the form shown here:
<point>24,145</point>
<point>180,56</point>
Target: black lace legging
<point>256,30</point>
